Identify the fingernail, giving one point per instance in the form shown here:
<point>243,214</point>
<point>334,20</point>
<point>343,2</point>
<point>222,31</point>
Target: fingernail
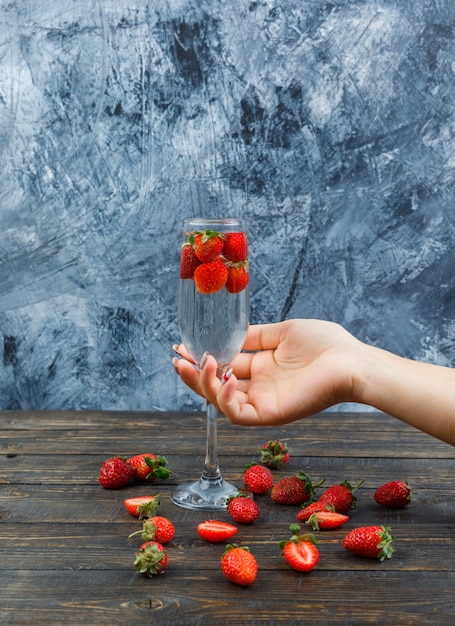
<point>203,360</point>
<point>174,363</point>
<point>175,347</point>
<point>226,376</point>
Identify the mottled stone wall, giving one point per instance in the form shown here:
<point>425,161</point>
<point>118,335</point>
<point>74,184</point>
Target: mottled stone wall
<point>329,126</point>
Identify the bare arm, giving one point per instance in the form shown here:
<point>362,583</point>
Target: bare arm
<point>294,369</point>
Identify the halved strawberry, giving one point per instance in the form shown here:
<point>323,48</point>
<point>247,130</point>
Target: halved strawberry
<point>326,520</point>
<point>300,551</point>
<point>216,531</point>
<point>304,514</point>
<point>142,506</point>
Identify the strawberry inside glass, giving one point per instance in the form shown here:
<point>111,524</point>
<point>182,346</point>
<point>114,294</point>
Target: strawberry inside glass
<point>215,260</point>
<point>213,317</point>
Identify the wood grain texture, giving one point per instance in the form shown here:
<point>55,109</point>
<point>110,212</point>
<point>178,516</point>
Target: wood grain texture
<point>66,555</point>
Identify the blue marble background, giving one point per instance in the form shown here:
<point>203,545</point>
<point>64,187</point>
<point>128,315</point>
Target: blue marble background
<point>328,125</point>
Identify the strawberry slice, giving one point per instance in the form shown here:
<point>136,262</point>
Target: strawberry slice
<point>142,506</point>
<point>216,531</point>
<point>307,511</point>
<point>300,551</point>
<point>326,520</point>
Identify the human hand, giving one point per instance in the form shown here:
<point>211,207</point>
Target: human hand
<point>289,370</point>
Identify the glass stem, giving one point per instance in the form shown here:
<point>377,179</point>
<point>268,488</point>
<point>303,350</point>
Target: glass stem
<point>211,466</point>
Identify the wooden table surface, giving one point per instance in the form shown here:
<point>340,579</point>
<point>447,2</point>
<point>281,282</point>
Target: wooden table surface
<point>66,556</point>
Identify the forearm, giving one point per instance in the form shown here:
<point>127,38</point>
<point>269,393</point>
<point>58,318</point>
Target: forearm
<point>419,394</point>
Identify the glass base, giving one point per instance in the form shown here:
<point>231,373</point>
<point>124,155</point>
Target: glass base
<point>206,494</point>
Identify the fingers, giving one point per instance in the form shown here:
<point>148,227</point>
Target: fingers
<point>264,336</point>
<point>188,373</point>
<point>182,351</point>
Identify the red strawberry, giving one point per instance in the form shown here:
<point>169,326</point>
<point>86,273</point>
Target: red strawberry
<point>340,496</point>
<point>216,531</point>
<point>151,558</point>
<point>304,514</point>
<point>295,489</point>
<point>235,247</point>
<point>208,245</point>
<point>326,520</point>
<point>274,454</point>
<point>300,551</point>
<point>394,495</point>
<point>149,466</point>
<point>239,565</point>
<point>258,478</point>
<point>156,528</point>
<point>210,277</point>
<point>242,509</point>
<point>115,473</point>
<point>142,506</point>
<point>238,278</point>
<point>188,261</point>
<point>371,541</point>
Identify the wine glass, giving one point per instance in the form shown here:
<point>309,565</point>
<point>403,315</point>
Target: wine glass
<point>213,318</point>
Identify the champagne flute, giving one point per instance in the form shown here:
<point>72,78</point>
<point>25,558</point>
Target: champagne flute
<point>213,318</point>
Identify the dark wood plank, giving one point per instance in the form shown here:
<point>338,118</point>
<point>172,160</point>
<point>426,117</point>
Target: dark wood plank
<point>119,597</point>
<point>67,558</point>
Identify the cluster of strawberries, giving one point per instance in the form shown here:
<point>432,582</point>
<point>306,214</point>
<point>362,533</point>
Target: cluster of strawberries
<point>118,471</point>
<point>328,511</point>
<point>216,261</point>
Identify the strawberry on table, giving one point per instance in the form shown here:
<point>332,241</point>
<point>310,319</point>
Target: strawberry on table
<point>151,558</point>
<point>115,473</point>
<point>235,247</point>
<point>395,494</point>
<point>257,478</point>
<point>242,509</point>
<point>208,245</point>
<point>156,528</point>
<point>216,531</point>
<point>188,261</point>
<point>239,565</point>
<point>295,489</point>
<point>300,551</point>
<point>370,541</point>
<point>326,520</point>
<point>210,277</point>
<point>149,466</point>
<point>274,454</point>
<point>341,496</point>
<point>142,506</point>
<point>307,511</point>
